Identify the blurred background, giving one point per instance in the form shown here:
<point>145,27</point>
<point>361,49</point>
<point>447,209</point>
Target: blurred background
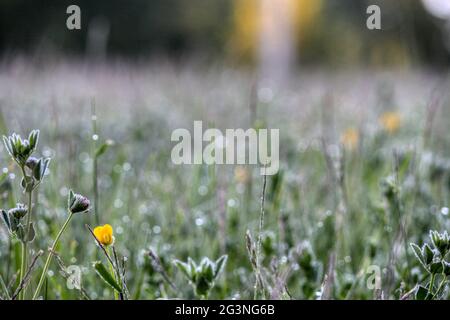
<point>273,33</point>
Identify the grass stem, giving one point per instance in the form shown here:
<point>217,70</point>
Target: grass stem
<point>50,255</point>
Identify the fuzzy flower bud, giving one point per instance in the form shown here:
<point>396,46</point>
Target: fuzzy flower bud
<point>77,203</point>
<point>18,212</point>
<point>32,162</point>
<point>21,149</point>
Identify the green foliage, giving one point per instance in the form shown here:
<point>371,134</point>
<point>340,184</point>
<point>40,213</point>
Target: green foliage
<point>106,276</point>
<point>202,276</point>
<point>433,259</point>
<point>21,149</point>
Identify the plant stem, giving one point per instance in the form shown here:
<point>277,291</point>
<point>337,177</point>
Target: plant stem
<point>430,289</point>
<point>258,245</point>
<point>50,255</point>
<point>113,272</point>
<point>24,258</point>
<point>4,288</point>
<point>440,286</point>
<point>95,162</point>
<point>30,213</point>
<point>22,267</point>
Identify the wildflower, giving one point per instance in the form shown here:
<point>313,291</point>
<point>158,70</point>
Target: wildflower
<point>13,222</point>
<point>18,212</point>
<point>202,276</point>
<point>390,121</point>
<point>104,234</point>
<point>21,149</point>
<point>38,167</point>
<point>432,258</point>
<point>441,241</point>
<point>350,138</point>
<point>32,162</point>
<point>78,203</point>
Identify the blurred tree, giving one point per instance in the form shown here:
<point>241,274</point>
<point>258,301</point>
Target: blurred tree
<point>133,27</point>
<point>246,23</point>
<point>331,32</point>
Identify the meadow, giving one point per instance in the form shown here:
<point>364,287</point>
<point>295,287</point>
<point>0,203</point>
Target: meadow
<point>365,173</point>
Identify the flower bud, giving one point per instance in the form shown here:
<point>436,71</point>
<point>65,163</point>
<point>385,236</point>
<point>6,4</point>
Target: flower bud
<point>78,203</point>
<point>18,212</point>
<point>21,149</point>
<point>32,162</point>
<point>440,241</point>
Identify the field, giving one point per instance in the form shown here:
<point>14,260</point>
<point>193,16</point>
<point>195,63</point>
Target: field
<point>365,172</point>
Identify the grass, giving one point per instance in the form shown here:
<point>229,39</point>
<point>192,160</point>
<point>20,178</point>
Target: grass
<point>344,206</point>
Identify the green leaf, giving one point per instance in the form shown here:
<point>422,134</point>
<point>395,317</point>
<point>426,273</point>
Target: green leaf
<point>33,138</point>
<point>31,233</point>
<point>70,199</point>
<point>184,267</point>
<point>427,254</point>
<point>5,218</point>
<point>418,253</point>
<point>436,267</point>
<point>37,170</point>
<point>7,144</point>
<point>421,293</point>
<point>103,148</point>
<point>193,267</point>
<point>14,222</point>
<point>220,264</point>
<point>434,236</point>
<point>44,168</point>
<point>20,232</point>
<point>446,268</point>
<point>106,276</point>
<point>208,271</point>
<point>202,286</point>
<point>13,144</point>
<point>40,168</point>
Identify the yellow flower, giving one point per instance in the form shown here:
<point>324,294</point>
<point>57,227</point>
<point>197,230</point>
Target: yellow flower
<point>104,234</point>
<point>390,121</point>
<point>350,138</point>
